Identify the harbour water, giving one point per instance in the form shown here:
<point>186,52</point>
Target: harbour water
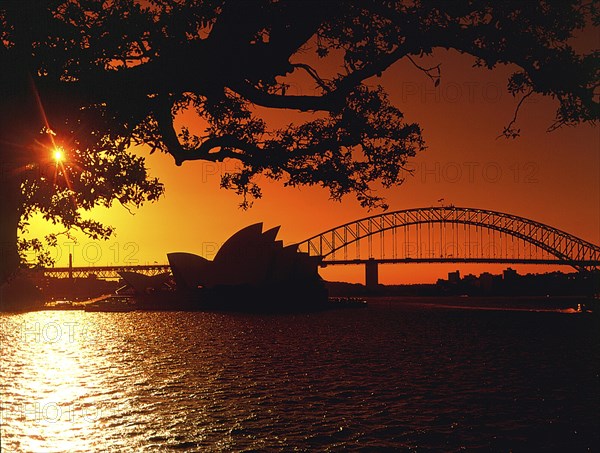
<point>407,376</point>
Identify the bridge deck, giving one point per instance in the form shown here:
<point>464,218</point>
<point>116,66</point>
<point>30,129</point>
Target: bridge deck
<point>108,272</point>
<point>585,263</point>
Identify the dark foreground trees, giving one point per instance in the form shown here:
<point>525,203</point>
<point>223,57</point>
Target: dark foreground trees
<point>98,76</point>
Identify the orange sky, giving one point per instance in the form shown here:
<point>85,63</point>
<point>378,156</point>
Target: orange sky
<point>549,177</point>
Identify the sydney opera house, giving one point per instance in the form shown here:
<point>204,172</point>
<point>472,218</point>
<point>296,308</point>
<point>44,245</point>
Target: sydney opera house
<point>251,271</point>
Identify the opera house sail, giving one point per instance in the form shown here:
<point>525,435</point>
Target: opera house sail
<point>251,271</point>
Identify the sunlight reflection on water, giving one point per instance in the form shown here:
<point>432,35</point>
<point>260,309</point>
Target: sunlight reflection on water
<point>47,383</point>
<point>386,376</point>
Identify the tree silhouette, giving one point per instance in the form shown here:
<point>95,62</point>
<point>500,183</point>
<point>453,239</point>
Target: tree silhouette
<point>110,74</point>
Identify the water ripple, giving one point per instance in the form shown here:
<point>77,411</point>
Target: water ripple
<point>380,378</point>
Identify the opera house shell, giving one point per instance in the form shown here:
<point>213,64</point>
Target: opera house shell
<point>252,270</point>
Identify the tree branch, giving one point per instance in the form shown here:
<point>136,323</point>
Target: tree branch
<point>226,143</point>
<point>313,73</point>
<point>508,131</point>
<point>434,78</point>
<point>329,102</point>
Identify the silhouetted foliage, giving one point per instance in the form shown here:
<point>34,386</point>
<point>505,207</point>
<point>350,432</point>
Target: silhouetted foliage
<point>111,74</point>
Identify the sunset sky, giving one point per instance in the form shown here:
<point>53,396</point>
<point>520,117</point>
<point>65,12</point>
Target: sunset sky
<point>552,178</point>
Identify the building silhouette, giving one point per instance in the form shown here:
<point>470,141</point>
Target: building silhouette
<point>251,271</point>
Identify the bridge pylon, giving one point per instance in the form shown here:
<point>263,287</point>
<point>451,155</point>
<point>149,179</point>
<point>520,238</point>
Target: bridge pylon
<point>371,274</point>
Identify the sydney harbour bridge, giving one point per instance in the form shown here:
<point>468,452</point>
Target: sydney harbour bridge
<point>445,234</point>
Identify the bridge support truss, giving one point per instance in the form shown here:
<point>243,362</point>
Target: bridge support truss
<point>450,225</point>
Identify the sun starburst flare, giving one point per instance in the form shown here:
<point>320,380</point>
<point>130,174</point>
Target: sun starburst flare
<point>59,155</point>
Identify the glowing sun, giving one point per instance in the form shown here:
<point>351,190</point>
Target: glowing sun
<point>58,154</point>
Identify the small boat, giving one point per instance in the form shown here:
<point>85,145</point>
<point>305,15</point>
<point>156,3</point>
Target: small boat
<point>113,303</point>
<point>63,305</point>
<point>583,308</point>
<point>347,302</point>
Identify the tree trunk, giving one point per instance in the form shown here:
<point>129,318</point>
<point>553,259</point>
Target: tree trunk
<point>21,121</point>
<point>10,208</point>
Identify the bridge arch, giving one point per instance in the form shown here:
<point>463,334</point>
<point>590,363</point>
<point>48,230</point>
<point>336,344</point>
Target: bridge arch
<point>566,248</point>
